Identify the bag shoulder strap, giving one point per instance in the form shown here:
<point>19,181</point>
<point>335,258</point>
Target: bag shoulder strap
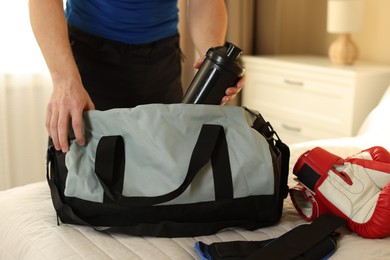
<point>306,239</point>
<point>300,239</point>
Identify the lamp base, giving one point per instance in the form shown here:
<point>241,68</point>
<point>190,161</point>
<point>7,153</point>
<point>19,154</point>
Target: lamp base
<point>343,51</point>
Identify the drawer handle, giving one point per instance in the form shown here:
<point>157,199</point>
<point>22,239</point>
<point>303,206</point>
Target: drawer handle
<point>291,128</point>
<point>293,82</point>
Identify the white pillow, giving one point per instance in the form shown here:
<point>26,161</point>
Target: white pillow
<point>377,122</point>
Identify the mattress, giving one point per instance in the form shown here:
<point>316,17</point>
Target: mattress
<point>29,229</point>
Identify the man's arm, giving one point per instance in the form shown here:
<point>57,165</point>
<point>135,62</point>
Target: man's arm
<point>69,97</point>
<point>208,24</point>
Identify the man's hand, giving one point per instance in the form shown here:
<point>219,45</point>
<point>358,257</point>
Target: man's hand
<point>67,103</point>
<point>232,91</point>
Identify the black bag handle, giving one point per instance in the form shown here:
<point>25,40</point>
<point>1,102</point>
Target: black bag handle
<point>211,145</point>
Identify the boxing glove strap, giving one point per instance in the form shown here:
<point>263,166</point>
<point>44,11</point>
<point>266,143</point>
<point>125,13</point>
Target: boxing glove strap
<point>308,177</point>
<point>312,164</point>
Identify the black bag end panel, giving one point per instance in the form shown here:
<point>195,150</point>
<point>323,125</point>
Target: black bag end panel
<point>280,153</point>
<point>283,164</point>
<point>280,160</point>
<point>56,169</point>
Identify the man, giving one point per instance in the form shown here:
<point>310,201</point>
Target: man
<point>103,54</point>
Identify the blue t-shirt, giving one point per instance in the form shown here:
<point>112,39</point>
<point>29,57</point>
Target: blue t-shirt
<point>127,21</point>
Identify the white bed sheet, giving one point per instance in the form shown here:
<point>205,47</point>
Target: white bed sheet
<point>28,230</point>
<point>28,227</point>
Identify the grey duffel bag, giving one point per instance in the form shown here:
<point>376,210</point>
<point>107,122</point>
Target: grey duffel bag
<point>171,170</point>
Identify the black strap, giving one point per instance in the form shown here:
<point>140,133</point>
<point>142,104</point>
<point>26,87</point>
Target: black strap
<point>308,176</point>
<point>300,239</point>
<point>308,241</point>
<point>110,163</point>
<point>220,163</point>
<point>263,127</point>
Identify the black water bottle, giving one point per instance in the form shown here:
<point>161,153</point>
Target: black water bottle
<point>219,71</point>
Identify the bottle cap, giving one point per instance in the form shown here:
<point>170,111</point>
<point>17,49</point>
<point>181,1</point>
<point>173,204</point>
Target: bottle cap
<point>226,56</point>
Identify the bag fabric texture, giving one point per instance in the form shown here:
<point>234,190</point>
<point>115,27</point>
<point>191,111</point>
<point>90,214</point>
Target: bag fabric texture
<point>171,170</point>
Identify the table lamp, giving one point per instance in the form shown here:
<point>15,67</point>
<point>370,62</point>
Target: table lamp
<point>344,18</point>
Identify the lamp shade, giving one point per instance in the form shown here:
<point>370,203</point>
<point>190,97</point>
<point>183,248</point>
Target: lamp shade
<point>344,16</point>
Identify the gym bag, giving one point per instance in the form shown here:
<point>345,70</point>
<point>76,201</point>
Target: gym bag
<point>171,170</point>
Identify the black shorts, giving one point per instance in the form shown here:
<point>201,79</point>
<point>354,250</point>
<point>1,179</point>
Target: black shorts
<point>118,75</point>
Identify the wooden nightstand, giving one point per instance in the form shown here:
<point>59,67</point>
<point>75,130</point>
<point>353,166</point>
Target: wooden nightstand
<point>307,97</point>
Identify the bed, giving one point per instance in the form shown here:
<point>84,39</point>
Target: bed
<point>29,230</point>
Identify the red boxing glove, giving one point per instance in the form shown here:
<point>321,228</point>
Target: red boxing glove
<point>356,189</point>
<point>305,200</point>
<point>376,153</point>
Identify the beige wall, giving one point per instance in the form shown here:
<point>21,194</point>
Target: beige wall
<point>374,39</point>
<point>299,27</point>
